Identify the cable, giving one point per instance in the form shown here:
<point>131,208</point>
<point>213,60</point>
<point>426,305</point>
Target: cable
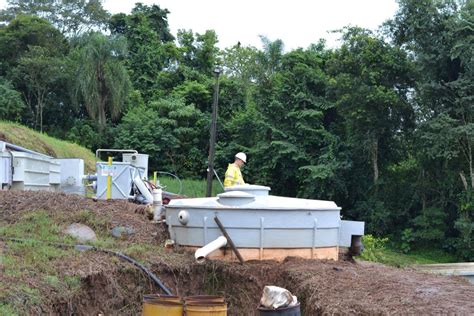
<point>173,175</point>
<point>218,179</point>
<point>80,247</point>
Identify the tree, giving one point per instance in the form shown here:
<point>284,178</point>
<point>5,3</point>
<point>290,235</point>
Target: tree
<point>463,50</point>
<point>442,36</point>
<point>194,93</point>
<point>439,35</point>
<point>11,104</point>
<point>150,44</point>
<point>39,73</point>
<point>270,58</point>
<point>102,83</point>
<point>170,131</point>
<point>293,148</point>
<point>240,66</point>
<point>371,80</point>
<point>32,51</point>
<point>25,31</point>
<point>197,53</point>
<point>71,17</point>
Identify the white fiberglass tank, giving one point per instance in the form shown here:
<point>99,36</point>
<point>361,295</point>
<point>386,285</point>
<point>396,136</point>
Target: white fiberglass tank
<point>259,223</point>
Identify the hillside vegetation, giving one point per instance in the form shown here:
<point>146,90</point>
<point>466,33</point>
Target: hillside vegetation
<point>42,143</point>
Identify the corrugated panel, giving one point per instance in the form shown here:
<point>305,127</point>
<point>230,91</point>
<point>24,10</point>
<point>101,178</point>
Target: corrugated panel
<point>5,170</point>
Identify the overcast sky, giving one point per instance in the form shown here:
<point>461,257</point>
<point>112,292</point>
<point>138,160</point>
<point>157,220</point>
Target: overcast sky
<point>298,22</point>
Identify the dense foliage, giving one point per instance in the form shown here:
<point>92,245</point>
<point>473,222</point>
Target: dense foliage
<point>383,124</point>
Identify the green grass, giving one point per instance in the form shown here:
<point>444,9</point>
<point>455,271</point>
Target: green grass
<point>23,258</point>
<point>377,250</point>
<point>37,225</point>
<point>7,310</point>
<point>397,258</point>
<point>25,261</point>
<point>91,219</point>
<point>189,187</point>
<point>30,264</point>
<point>33,140</point>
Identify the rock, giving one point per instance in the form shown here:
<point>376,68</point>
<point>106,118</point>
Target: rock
<point>121,231</point>
<point>81,232</point>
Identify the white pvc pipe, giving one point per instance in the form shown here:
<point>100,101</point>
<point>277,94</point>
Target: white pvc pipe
<point>157,203</point>
<point>143,189</point>
<point>203,252</point>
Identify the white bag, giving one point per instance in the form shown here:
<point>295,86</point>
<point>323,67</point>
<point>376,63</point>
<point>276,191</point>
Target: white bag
<point>276,297</point>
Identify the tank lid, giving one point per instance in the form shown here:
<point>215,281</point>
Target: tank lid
<point>256,190</point>
<point>236,194</point>
<point>235,198</point>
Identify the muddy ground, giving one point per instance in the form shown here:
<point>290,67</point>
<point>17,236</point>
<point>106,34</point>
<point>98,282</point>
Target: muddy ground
<point>111,286</point>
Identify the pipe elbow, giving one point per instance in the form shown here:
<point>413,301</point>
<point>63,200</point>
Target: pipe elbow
<point>201,254</point>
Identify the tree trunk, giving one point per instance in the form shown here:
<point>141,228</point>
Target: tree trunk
<point>102,97</point>
<point>463,180</point>
<point>423,194</point>
<point>467,150</point>
<point>36,115</point>
<point>102,117</point>
<point>102,107</point>
<point>29,102</point>
<point>40,109</point>
<point>374,153</point>
<point>471,168</point>
<point>41,119</point>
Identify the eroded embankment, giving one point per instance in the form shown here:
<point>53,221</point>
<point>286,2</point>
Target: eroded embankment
<point>323,287</point>
<point>41,279</point>
<point>120,290</point>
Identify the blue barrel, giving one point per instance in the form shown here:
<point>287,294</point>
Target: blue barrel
<point>284,311</point>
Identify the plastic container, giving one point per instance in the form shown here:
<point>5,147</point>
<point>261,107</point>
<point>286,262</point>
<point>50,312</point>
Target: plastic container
<point>285,311</point>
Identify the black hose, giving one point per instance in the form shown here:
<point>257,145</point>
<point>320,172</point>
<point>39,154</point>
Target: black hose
<point>141,267</point>
<point>80,247</point>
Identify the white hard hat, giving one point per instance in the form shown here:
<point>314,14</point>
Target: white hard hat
<point>241,156</point>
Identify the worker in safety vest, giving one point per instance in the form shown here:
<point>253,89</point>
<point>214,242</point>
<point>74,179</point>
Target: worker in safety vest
<point>233,176</point>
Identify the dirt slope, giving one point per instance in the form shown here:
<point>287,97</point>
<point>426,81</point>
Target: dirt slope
<point>25,137</point>
<point>109,285</point>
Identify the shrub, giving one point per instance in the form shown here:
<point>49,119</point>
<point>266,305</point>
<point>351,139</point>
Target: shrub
<point>373,248</point>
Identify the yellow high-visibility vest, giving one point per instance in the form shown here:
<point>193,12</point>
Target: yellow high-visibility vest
<point>233,176</point>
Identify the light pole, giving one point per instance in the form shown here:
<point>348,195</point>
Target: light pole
<point>212,141</point>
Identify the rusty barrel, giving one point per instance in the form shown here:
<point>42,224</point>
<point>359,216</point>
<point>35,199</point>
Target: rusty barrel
<point>205,305</point>
<point>204,298</point>
<point>161,305</point>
